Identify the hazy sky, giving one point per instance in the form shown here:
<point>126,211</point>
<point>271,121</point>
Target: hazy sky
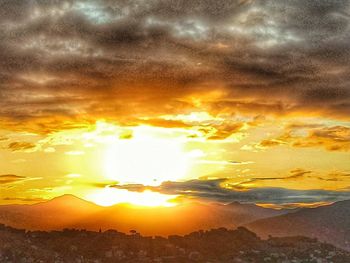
<point>215,99</point>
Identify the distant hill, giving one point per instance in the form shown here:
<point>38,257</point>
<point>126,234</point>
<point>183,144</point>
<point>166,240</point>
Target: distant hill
<point>70,211</point>
<point>53,214</point>
<point>329,223</point>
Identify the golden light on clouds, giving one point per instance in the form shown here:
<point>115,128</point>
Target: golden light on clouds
<point>156,160</point>
<point>213,101</point>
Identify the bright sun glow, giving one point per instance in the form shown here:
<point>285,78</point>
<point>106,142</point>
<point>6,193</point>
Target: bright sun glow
<point>145,159</point>
<point>110,196</point>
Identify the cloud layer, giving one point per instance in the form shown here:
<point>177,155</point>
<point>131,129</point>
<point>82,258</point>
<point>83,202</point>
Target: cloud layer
<point>335,138</point>
<point>81,60</point>
<point>214,190</point>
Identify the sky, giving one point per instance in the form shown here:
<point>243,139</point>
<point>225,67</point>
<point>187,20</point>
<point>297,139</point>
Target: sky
<point>157,102</point>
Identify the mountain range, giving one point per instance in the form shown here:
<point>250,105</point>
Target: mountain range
<point>69,211</point>
<point>329,223</point>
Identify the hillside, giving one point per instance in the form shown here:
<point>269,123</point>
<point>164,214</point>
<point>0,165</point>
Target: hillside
<point>216,246</point>
<point>329,223</point>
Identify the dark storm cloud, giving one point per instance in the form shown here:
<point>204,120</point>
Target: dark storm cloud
<point>121,59</point>
<point>215,191</point>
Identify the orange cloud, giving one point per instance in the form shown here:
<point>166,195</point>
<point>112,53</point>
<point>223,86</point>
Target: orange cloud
<point>21,146</point>
<point>10,178</point>
<point>335,138</point>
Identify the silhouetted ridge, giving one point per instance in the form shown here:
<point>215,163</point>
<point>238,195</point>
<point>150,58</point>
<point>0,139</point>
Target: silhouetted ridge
<point>329,223</point>
<point>216,245</point>
<point>71,211</point>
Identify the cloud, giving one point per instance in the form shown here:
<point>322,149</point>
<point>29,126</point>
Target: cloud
<point>269,143</point>
<point>216,190</point>
<point>336,176</point>
<point>50,150</point>
<point>224,131</point>
<point>21,146</point>
<point>10,178</point>
<point>334,138</point>
<point>166,123</point>
<point>24,199</point>
<point>223,162</point>
<point>295,205</point>
<point>72,62</point>
<point>207,126</point>
<point>298,173</point>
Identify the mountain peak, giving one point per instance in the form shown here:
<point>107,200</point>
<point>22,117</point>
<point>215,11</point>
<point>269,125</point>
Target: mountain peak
<point>68,200</point>
<point>66,197</point>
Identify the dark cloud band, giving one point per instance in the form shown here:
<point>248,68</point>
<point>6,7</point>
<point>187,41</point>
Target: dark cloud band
<point>69,59</point>
<point>214,191</point>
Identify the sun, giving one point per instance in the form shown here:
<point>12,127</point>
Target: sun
<point>145,159</point>
<point>149,157</point>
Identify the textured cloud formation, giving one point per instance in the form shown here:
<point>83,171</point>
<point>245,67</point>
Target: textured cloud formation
<point>335,138</point>
<point>214,191</point>
<point>21,146</point>
<point>80,60</point>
